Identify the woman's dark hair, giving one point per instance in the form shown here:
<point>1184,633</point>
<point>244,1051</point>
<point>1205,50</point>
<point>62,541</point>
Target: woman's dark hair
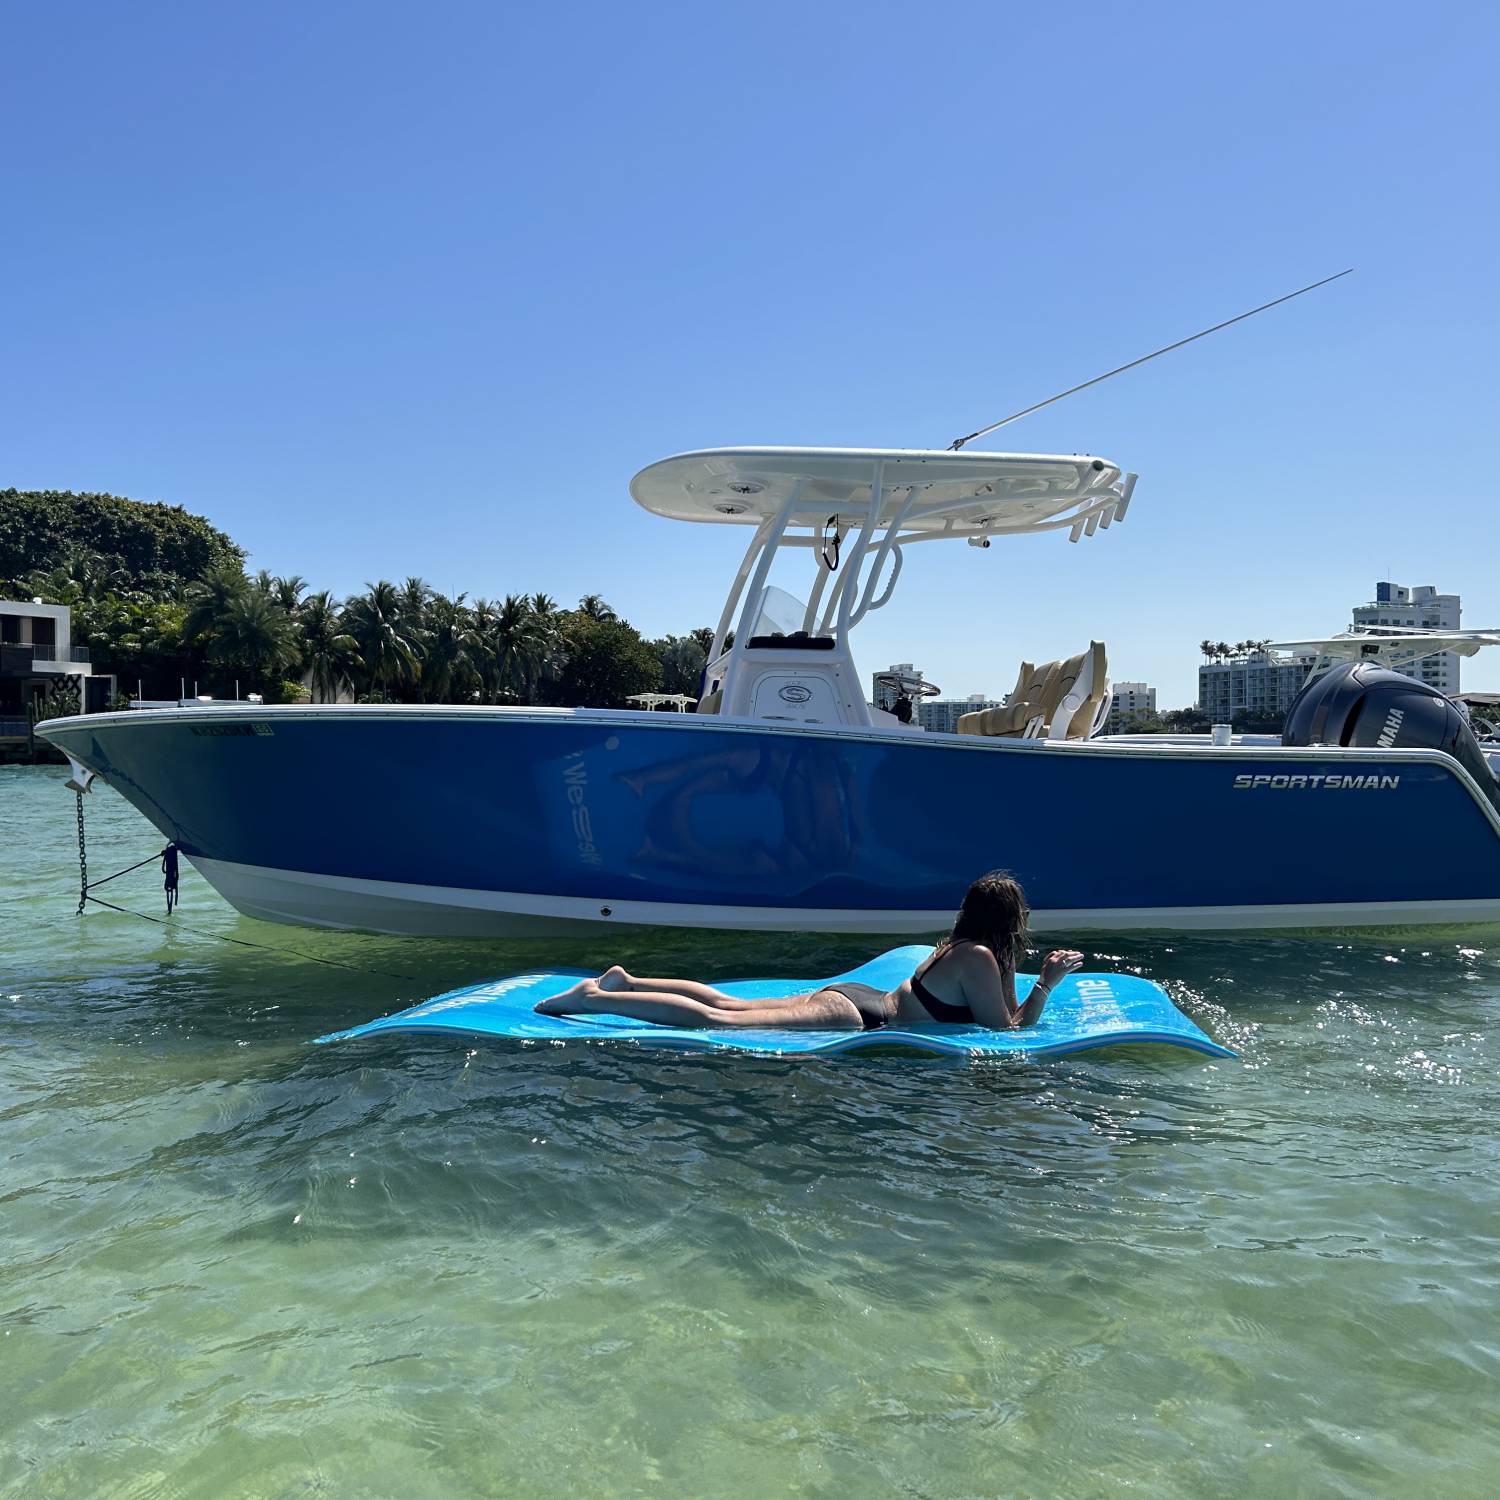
<point>994,914</point>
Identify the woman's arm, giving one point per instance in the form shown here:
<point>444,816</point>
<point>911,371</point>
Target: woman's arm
<point>1057,964</point>
<point>991,991</point>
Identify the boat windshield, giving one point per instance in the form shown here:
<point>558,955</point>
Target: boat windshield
<point>780,613</point>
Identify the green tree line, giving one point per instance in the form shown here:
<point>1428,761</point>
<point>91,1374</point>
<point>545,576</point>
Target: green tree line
<point>1218,651</point>
<point>160,597</point>
<point>140,545</point>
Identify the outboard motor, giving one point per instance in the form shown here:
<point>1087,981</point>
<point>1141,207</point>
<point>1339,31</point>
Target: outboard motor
<point>1361,704</point>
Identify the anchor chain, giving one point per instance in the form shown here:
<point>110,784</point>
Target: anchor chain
<point>83,862</point>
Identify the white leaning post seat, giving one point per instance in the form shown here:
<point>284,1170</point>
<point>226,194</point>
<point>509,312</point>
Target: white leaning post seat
<point>1083,699</point>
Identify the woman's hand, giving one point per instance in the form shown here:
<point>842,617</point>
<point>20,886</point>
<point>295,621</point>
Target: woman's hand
<point>1059,963</point>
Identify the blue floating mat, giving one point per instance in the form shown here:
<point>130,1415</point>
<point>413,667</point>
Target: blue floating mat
<point>1085,1011</point>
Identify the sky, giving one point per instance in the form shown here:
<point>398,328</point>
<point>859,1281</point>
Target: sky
<point>392,289</point>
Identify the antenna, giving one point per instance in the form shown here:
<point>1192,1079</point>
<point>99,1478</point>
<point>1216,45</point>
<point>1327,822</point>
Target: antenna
<point>1120,369</point>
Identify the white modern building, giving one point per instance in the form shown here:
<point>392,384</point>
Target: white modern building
<point>1419,608</point>
<point>1132,701</point>
<point>36,652</point>
<point>47,630</point>
<point>1254,686</point>
<point>941,715</point>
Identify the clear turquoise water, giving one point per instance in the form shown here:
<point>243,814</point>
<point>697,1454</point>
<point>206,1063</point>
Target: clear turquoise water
<point>232,1264</point>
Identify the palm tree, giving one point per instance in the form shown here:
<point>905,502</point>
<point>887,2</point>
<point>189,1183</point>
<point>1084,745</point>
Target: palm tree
<point>253,633</point>
<point>482,619</point>
<point>1208,648</point>
<point>513,645</point>
<point>595,608</point>
<point>288,592</point>
<point>682,660</point>
<point>386,644</point>
<point>450,666</point>
<point>329,654</point>
<point>548,650</point>
<point>209,599</point>
<point>415,595</point>
<point>81,577</point>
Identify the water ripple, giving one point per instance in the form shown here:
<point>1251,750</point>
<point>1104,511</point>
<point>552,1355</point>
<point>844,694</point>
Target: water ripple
<point>235,1264</point>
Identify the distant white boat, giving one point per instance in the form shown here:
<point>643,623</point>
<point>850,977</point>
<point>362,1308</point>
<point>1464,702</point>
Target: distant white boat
<point>1394,646</point>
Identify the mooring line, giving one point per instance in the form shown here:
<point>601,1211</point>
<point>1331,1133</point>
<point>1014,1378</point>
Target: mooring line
<point>167,856</point>
<point>199,932</point>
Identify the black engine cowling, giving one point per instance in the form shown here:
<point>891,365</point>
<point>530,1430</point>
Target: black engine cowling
<point>1361,704</point>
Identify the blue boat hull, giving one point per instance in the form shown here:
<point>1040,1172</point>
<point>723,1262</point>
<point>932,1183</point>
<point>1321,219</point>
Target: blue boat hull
<point>464,822</point>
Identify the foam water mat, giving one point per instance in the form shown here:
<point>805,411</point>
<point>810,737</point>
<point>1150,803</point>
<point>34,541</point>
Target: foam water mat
<point>1084,1011</point>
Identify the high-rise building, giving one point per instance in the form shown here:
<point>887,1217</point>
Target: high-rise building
<point>1420,608</point>
<point>941,715</point>
<point>1254,686</point>
<point>1132,701</point>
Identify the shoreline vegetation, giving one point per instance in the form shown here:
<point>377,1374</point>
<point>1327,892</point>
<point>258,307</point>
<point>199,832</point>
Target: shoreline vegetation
<point>161,598</point>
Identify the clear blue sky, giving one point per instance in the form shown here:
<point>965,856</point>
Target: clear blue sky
<point>389,289</point>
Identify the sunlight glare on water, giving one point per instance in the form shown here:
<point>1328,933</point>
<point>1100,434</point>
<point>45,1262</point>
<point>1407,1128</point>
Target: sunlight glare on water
<point>238,1265</point>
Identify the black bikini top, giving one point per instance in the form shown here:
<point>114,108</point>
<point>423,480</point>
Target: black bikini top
<point>939,1010</point>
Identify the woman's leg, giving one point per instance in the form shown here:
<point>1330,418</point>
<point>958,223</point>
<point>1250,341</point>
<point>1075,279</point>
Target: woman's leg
<point>615,981</point>
<point>824,1009</point>
<point>618,981</point>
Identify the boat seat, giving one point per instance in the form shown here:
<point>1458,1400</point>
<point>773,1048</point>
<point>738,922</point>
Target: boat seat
<point>711,702</point>
<point>1021,715</point>
<point>1078,699</point>
<point>1058,700</point>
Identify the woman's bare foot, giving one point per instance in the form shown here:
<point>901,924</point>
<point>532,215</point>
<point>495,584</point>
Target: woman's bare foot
<point>571,1001</point>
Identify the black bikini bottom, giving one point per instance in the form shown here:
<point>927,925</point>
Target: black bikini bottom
<point>867,1000</point>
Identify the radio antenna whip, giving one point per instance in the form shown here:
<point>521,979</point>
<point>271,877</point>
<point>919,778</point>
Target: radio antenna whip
<point>1120,370</point>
